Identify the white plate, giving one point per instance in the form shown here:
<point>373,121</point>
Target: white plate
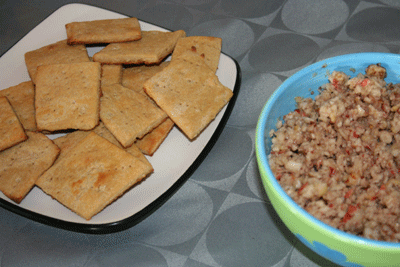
<point>173,162</point>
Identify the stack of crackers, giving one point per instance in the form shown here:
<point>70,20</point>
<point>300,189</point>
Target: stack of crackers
<point>115,109</point>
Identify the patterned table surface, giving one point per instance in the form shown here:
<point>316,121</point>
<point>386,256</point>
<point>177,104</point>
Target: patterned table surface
<point>221,215</point>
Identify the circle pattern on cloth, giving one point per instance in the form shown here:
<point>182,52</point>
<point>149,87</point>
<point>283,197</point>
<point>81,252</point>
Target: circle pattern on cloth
<point>379,24</point>
<point>237,36</point>
<point>297,259</point>
<point>10,223</point>
<point>254,181</point>
<point>194,2</point>
<point>190,211</point>
<point>395,3</point>
<point>128,255</point>
<point>314,17</point>
<point>45,246</point>
<point>249,8</point>
<point>231,236</point>
<point>169,16</point>
<point>230,154</point>
<point>271,56</point>
<point>254,94</point>
<point>351,48</point>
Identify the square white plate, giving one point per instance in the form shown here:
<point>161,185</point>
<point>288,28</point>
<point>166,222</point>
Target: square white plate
<point>173,162</point>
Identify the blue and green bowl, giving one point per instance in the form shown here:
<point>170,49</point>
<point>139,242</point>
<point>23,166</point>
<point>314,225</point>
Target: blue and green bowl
<point>339,247</point>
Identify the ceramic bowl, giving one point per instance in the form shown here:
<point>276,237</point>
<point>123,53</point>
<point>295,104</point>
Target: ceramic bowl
<point>339,247</point>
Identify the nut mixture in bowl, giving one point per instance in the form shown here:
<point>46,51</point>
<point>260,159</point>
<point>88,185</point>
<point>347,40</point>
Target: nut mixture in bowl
<point>338,156</point>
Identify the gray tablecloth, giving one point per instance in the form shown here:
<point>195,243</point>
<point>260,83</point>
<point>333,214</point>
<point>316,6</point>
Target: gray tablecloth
<point>221,216</point>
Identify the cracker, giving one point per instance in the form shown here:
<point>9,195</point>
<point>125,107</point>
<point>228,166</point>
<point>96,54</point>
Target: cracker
<point>22,99</point>
<point>68,141</point>
<point>206,46</point>
<point>56,53</point>
<point>151,49</point>
<point>68,96</point>
<point>149,143</point>
<point>127,114</point>
<point>111,74</point>
<point>133,77</point>
<point>136,152</point>
<point>133,149</point>
<point>92,176</point>
<point>11,130</point>
<point>103,31</point>
<point>24,163</point>
<point>189,92</point>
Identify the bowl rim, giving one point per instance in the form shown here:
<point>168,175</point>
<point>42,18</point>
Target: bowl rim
<point>262,156</point>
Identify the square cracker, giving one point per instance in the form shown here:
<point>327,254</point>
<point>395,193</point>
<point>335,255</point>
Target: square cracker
<point>22,99</point>
<point>68,96</point>
<point>103,31</point>
<point>189,92</point>
<point>56,53</point>
<point>206,46</point>
<point>151,49</point>
<point>149,143</point>
<point>127,114</point>
<point>133,77</point>
<point>24,163</point>
<point>11,130</point>
<point>111,74</point>
<point>92,175</point>
<point>133,149</point>
<point>68,141</point>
